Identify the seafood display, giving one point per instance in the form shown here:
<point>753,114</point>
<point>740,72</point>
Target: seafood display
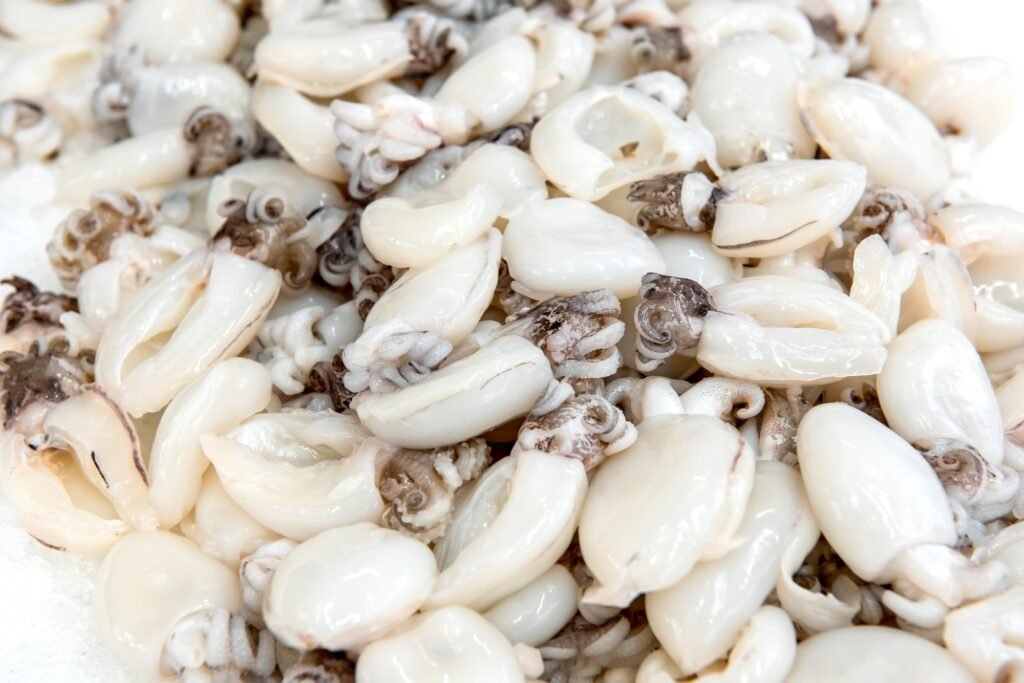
<point>510,341</point>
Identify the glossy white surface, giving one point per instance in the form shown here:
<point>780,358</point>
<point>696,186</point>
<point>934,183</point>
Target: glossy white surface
<point>297,499</point>
<point>566,246</point>
<point>47,596</point>
<point>692,256</point>
<point>642,533</point>
<point>347,586</point>
<point>745,92</point>
<point>872,494</point>
<point>209,305</point>
<point>417,231</point>
<point>449,645</point>
<point>699,619</point>
<point>986,635</point>
<point>168,575</point>
<point>872,653</point>
<point>780,331</point>
<point>327,58</point>
<point>174,31</point>
<point>220,527</point>
<point>493,84</point>
<point>303,192</point>
<point>976,95</point>
<point>107,449</point>
<point>448,297</point>
<point>538,610</point>
<point>529,531</point>
<point>230,392</point>
<point>1008,548</point>
<point>496,384</point>
<point>156,158</point>
<point>304,128</point>
<point>604,138</point>
<point>867,123</point>
<point>934,386</point>
<point>776,207</point>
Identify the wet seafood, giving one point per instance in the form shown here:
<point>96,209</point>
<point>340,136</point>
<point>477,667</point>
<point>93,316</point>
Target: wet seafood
<point>517,341</point>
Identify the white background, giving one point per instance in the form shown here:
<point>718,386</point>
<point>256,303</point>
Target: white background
<point>46,629</point>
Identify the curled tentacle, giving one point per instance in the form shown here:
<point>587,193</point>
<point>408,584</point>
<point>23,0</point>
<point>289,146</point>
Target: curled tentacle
<point>258,229</point>
<point>583,651</point>
<point>985,491</point>
<point>659,48</point>
<point>509,298</point>
<point>592,16</point>
<point>328,377</point>
<point>377,142</point>
<point>83,239</point>
<point>433,41</point>
<point>291,346</point>
<point>782,413</point>
<point>513,135</point>
<point>320,666</point>
<point>895,214</point>
<point>27,132</point>
<point>345,261</point>
<point>724,398</point>
<point>29,308</point>
<point>577,333</point>
<point>866,400</point>
<point>113,95</point>
<point>418,486</point>
<point>218,141</point>
<point>391,355</point>
<point>664,87</point>
<point>681,201</point>
<point>255,572</point>
<point>214,640</point>
<point>585,427</point>
<point>823,572</point>
<point>46,375</point>
<point>669,320</point>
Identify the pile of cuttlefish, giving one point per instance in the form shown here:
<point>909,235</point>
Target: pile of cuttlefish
<point>495,341</point>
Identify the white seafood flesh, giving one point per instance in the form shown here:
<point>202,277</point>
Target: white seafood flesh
<point>699,619</point>
<point>221,528</point>
<point>496,384</point>
<point>448,297</point>
<point>567,246</point>
<point>230,392</point>
<point>303,192</point>
<point>603,138</point>
<point>449,645</point>
<point>780,343</point>
<point>985,636</point>
<point>299,477</point>
<point>538,610</point>
<point>776,207</point>
<point>303,127</point>
<point>866,123</point>
<point>104,441</point>
<point>376,578</point>
<point>175,31</point>
<point>746,94</point>
<point>172,578</point>
<point>873,653</point>
<point>511,528</point>
<point>934,386</point>
<point>640,533</point>
<point>212,304</point>
<point>898,524</point>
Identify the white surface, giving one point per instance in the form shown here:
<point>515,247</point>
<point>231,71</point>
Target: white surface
<point>46,629</point>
